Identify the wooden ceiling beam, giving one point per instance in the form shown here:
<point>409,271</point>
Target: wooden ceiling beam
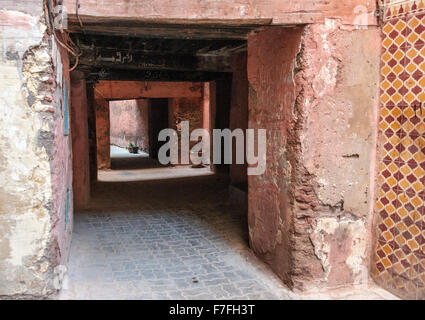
<point>96,74</point>
<point>164,32</point>
<point>167,62</point>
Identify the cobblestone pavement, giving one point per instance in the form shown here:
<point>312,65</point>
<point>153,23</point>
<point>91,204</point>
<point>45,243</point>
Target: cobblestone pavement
<point>168,237</point>
<point>165,239</point>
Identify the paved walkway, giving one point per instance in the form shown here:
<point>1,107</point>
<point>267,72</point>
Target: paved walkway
<point>172,238</point>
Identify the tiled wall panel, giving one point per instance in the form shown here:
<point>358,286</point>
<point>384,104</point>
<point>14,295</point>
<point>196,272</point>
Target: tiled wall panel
<point>400,252</point>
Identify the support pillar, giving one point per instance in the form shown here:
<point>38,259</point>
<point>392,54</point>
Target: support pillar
<point>91,114</point>
<point>102,132</point>
<point>80,140</point>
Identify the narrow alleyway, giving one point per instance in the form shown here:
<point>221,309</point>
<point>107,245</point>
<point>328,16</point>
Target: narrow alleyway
<point>164,238</point>
<point>167,237</point>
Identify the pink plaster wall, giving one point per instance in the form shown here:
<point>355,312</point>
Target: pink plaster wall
<point>315,91</point>
<point>61,164</point>
<point>35,231</point>
<point>271,97</point>
<point>242,11</point>
<point>129,123</point>
<point>337,104</point>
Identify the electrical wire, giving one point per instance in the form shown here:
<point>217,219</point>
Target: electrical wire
<point>78,15</point>
<point>65,46</point>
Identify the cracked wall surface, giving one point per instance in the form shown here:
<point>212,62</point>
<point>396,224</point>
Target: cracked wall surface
<point>35,180</point>
<point>241,11</point>
<point>313,88</point>
<point>339,84</point>
<point>271,95</point>
<point>312,221</point>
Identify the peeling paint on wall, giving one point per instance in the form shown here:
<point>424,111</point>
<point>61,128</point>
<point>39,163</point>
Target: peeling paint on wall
<point>312,221</point>
<point>337,113</point>
<point>30,246</point>
<point>341,246</point>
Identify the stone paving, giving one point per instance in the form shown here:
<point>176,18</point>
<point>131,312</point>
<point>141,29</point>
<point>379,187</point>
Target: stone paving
<point>171,238</point>
<point>168,239</point>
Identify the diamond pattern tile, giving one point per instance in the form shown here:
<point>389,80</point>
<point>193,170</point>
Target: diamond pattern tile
<point>400,249</point>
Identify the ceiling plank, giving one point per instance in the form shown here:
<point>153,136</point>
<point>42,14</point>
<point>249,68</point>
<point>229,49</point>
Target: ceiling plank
<point>96,74</point>
<point>174,32</point>
<point>167,62</point>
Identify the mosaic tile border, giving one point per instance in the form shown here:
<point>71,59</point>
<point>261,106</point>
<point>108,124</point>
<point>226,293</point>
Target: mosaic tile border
<point>395,9</point>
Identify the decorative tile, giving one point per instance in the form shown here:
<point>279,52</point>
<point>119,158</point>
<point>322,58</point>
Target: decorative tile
<point>396,9</point>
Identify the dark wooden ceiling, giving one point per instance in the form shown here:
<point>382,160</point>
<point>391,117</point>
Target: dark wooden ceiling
<point>179,52</point>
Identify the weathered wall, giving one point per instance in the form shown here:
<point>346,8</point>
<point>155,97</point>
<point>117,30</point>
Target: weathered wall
<point>80,140</point>
<point>185,109</point>
<point>309,214</point>
<point>271,99</point>
<point>314,89</point>
<point>337,118</point>
<point>103,140</point>
<point>36,201</point>
<point>129,123</point>
<point>266,11</point>
<point>61,164</point>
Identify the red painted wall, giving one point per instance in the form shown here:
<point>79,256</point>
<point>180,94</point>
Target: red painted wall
<point>129,123</point>
<point>271,96</point>
<point>80,140</point>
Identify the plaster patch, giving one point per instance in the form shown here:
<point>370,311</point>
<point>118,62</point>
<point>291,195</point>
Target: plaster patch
<point>326,237</point>
<point>29,234</point>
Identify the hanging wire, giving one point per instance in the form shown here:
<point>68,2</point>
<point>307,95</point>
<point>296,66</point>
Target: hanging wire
<point>64,34</point>
<point>78,15</point>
